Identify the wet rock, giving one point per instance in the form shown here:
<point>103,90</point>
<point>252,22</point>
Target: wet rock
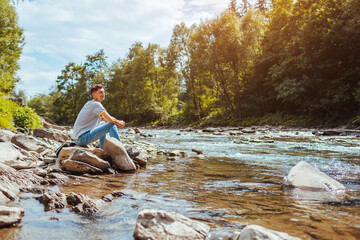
<point>10,215</point>
<point>133,152</point>
<point>223,235</point>
<point>117,193</point>
<point>28,143</point>
<point>332,133</point>
<point>107,198</point>
<point>136,130</point>
<point>5,135</point>
<point>197,151</point>
<point>74,199</point>
<point>89,158</point>
<point>306,177</point>
<point>156,224</point>
<point>53,201</point>
<point>91,206</point>
<point>260,233</point>
<point>142,159</point>
<point>209,130</point>
<point>118,154</point>
<point>130,131</point>
<point>80,167</point>
<point>248,131</point>
<point>83,204</point>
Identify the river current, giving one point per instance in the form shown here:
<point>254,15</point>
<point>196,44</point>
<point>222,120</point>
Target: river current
<point>236,182</point>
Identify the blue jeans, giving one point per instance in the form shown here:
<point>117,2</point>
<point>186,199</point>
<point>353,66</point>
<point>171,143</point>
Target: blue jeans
<point>99,132</point>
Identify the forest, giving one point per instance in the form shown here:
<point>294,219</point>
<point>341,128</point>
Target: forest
<point>269,62</point>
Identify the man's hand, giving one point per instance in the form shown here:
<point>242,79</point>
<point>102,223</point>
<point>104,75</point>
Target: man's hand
<point>120,123</point>
<point>110,119</point>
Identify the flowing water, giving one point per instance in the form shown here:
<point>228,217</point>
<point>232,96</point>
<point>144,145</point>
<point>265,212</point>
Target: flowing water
<point>235,183</point>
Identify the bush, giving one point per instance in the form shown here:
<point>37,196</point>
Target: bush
<point>13,115</point>
<point>7,107</point>
<point>26,117</point>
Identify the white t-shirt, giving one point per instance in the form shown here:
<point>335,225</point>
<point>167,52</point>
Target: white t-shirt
<point>88,118</point>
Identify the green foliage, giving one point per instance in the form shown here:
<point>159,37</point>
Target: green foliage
<point>7,107</point>
<point>288,62</point>
<point>26,118</point>
<point>11,42</point>
<point>143,87</point>
<point>12,115</point>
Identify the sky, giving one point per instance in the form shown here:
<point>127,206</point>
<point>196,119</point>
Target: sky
<point>63,31</point>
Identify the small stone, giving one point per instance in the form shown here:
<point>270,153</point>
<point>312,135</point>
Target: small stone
<point>10,215</point>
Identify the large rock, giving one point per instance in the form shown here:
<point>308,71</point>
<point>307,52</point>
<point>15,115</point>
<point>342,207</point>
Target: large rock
<point>80,167</point>
<point>88,157</point>
<point>154,224</point>
<point>260,233</point>
<point>306,177</point>
<point>118,154</point>
<point>5,135</point>
<point>10,215</point>
<point>65,153</point>
<point>12,156</point>
<point>28,143</point>
<point>11,181</point>
<point>52,134</point>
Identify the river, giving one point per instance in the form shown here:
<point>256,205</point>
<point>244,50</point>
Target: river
<point>238,181</point>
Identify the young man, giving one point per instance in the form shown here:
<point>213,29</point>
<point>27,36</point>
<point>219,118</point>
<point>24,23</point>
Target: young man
<point>89,126</point>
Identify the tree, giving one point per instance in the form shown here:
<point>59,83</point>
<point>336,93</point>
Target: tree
<point>143,87</point>
<point>11,43</point>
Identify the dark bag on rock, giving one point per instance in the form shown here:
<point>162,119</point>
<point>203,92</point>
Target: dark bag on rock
<point>67,144</point>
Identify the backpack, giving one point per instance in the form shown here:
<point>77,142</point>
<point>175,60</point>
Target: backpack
<point>67,144</point>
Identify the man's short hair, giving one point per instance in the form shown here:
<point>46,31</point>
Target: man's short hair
<point>95,87</point>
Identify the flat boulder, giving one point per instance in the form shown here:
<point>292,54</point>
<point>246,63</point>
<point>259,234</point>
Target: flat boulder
<point>67,151</point>
<point>306,177</point>
<point>118,154</point>
<point>80,167</point>
<point>90,158</point>
<point>156,224</point>
<point>52,134</point>
<point>12,156</point>
<point>260,233</point>
<point>28,143</point>
<point>11,181</point>
<point>10,215</point>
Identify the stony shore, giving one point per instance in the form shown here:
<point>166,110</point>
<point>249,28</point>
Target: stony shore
<point>28,163</point>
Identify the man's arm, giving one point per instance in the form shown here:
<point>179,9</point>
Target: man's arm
<point>106,116</point>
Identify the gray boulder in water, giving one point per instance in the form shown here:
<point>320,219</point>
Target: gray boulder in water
<point>156,224</point>
<point>260,233</point>
<point>118,154</point>
<point>306,177</point>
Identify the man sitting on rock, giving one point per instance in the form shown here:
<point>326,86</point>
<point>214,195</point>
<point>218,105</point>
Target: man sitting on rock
<point>94,122</point>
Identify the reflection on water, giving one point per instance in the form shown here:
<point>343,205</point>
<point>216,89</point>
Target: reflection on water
<point>236,183</point>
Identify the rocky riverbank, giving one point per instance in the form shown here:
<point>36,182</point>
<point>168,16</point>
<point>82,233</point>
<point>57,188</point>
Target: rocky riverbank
<point>28,164</point>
